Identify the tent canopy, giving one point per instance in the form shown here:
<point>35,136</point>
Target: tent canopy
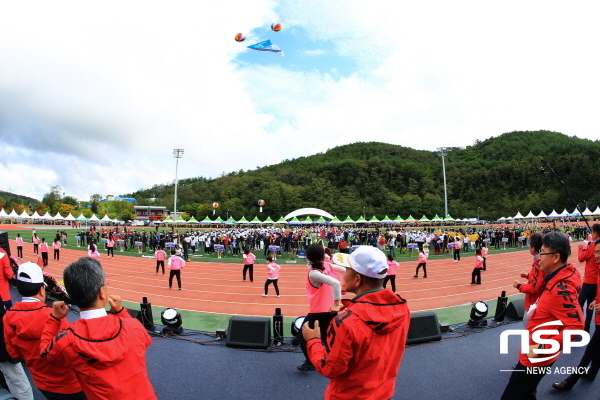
<point>308,211</point>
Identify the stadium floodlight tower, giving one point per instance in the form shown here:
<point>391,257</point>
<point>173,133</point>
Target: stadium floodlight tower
<point>177,154</point>
<point>443,153</point>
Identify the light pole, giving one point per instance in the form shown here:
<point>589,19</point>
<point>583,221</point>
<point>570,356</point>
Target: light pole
<point>478,213</point>
<point>443,153</point>
<point>364,213</point>
<point>177,154</point>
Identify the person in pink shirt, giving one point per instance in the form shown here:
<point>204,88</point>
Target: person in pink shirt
<point>160,259</point>
<point>391,272</point>
<point>93,252</point>
<point>19,241</point>
<point>44,251</point>
<point>484,254</point>
<point>457,247</point>
<point>249,259</point>
<point>56,247</point>
<point>175,265</point>
<point>110,246</point>
<point>422,263</point>
<point>36,243</point>
<point>272,277</point>
<point>476,274</point>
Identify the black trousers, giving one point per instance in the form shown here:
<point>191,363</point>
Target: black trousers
<point>175,273</point>
<point>57,254</point>
<point>250,268</point>
<point>521,385</point>
<point>476,275</point>
<point>424,265</point>
<point>45,258</point>
<point>20,251</point>
<point>110,250</point>
<point>588,294</point>
<point>392,279</point>
<point>591,355</point>
<point>274,282</point>
<point>457,254</point>
<point>35,248</point>
<point>324,319</point>
<point>160,264</point>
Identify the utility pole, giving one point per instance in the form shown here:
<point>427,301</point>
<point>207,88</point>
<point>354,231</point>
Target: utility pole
<point>177,154</point>
<point>443,153</point>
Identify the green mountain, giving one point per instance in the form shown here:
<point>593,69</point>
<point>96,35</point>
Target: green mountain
<point>495,177</point>
<point>6,198</point>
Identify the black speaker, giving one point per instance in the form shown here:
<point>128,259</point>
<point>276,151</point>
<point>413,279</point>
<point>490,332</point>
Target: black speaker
<point>249,332</point>
<point>424,327</point>
<point>516,309</point>
<point>4,244</point>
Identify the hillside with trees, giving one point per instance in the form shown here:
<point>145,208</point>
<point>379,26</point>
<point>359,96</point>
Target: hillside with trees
<point>495,177</point>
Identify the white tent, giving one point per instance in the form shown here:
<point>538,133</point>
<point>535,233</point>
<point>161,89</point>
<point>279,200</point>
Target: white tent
<point>542,214</point>
<point>596,211</point>
<point>518,216</point>
<point>70,217</point>
<point>565,213</point>
<point>106,218</point>
<point>530,215</point>
<point>308,211</point>
<point>35,215</point>
<point>587,212</point>
<point>13,214</point>
<point>24,215</point>
<point>81,217</point>
<point>553,214</point>
<point>94,218</point>
<point>501,219</point>
<point>575,213</point>
<point>58,216</point>
<point>47,217</point>
<point>3,214</point>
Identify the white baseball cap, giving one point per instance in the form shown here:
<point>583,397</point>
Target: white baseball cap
<point>368,261</point>
<point>30,272</point>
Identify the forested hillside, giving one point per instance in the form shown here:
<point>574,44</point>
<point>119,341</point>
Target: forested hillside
<point>500,176</point>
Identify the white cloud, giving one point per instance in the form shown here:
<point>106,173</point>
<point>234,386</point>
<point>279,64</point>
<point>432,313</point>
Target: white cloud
<point>94,98</point>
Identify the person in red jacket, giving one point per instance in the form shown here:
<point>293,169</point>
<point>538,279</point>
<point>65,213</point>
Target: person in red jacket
<point>23,326</point>
<point>365,343</point>
<point>107,351</point>
<point>535,278</point>
<point>556,309</point>
<point>592,351</point>
<point>590,278</point>
<point>6,273</point>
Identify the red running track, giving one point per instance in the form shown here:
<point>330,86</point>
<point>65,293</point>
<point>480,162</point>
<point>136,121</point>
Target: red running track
<point>218,287</point>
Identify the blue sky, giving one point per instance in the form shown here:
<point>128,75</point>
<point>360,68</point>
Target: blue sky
<point>94,98</point>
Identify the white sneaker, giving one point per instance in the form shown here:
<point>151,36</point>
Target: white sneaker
<point>278,296</point>
<point>263,295</point>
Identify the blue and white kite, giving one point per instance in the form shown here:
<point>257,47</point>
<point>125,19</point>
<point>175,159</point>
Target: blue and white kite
<point>266,46</point>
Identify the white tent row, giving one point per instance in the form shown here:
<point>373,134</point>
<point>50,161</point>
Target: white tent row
<point>554,214</point>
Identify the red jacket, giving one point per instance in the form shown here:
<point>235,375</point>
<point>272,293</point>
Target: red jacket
<point>586,253</point>
<point>6,273</point>
<point>364,347</point>
<point>23,326</point>
<point>558,301</point>
<point>534,285</point>
<point>108,355</point>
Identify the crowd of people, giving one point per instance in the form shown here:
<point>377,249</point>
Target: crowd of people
<point>341,339</point>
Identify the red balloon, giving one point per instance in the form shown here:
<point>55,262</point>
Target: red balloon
<point>239,37</point>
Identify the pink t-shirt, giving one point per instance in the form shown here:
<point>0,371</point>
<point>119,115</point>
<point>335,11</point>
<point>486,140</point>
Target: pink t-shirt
<point>478,262</point>
<point>160,255</point>
<point>484,251</point>
<point>392,265</point>
<point>44,247</point>
<point>94,254</point>
<point>20,241</point>
<point>458,244</point>
<point>273,270</point>
<point>56,245</point>
<point>176,262</point>
<point>36,240</point>
<point>249,258</point>
<point>422,258</point>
